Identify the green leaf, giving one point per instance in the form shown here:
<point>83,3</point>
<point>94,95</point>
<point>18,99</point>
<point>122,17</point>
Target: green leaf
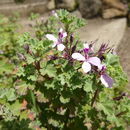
<point>23,115</point>
<point>5,66</point>
<point>53,122</point>
<point>88,87</point>
<point>21,88</point>
<point>112,59</point>
<point>30,60</point>
<point>32,77</point>
<point>41,98</point>
<point>64,100</point>
<point>15,108</point>
<point>11,95</point>
<point>105,107</point>
<point>49,70</point>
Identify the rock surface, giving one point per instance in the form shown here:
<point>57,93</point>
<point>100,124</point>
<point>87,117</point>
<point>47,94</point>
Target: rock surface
<point>51,5</point>
<point>89,8</point>
<point>124,53</point>
<point>114,4</point>
<point>113,8</point>
<point>24,9</point>
<point>106,31</point>
<point>66,4</point>
<point>112,13</point>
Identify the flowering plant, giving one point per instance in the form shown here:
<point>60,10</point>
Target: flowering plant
<point>62,83</point>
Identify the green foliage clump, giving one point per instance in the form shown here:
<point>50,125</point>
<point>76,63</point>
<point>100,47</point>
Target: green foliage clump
<point>49,90</point>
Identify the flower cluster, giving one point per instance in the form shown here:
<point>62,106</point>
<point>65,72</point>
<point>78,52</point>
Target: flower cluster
<point>86,57</point>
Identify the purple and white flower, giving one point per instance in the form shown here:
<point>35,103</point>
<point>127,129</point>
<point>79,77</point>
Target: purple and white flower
<point>54,13</point>
<point>57,42</point>
<point>87,61</point>
<point>105,79</point>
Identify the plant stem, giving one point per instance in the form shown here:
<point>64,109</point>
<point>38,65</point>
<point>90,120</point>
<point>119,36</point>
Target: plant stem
<point>34,101</point>
<point>67,118</point>
<point>94,97</point>
<point>120,114</point>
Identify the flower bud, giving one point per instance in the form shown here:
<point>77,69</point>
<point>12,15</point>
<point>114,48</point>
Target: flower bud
<point>1,52</point>
<point>71,38</point>
<point>51,57</point>
<point>21,56</point>
<point>26,47</point>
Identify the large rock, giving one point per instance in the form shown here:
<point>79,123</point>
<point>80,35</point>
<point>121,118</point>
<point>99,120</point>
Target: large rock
<point>24,9</point>
<point>106,31</point>
<point>6,2</point>
<point>89,8</point>
<point>114,4</point>
<point>51,5</point>
<point>113,8</point>
<point>66,4</point>
<point>112,12</point>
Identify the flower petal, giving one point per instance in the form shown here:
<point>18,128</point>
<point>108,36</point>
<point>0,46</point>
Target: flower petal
<point>61,30</point>
<point>54,13</point>
<point>54,44</point>
<point>101,67</point>
<point>94,61</point>
<point>60,47</point>
<point>106,80</point>
<point>51,37</point>
<point>64,34</point>
<point>86,67</point>
<point>86,45</point>
<point>78,56</point>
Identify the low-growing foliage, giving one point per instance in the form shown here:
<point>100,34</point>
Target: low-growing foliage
<point>62,83</point>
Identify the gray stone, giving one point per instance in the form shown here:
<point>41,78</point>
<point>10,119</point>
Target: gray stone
<point>6,2</point>
<point>124,53</point>
<point>128,17</point>
<point>89,8</point>
<point>112,13</point>
<point>106,31</point>
<point>24,9</point>
<point>66,4</point>
<point>114,4</point>
<point>114,8</point>
<point>51,5</point>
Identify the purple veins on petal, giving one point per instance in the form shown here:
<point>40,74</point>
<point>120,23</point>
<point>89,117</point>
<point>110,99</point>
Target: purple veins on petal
<point>106,80</point>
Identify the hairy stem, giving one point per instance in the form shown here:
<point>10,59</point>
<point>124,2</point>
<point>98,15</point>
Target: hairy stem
<point>34,101</point>
<point>120,114</point>
<point>94,97</point>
